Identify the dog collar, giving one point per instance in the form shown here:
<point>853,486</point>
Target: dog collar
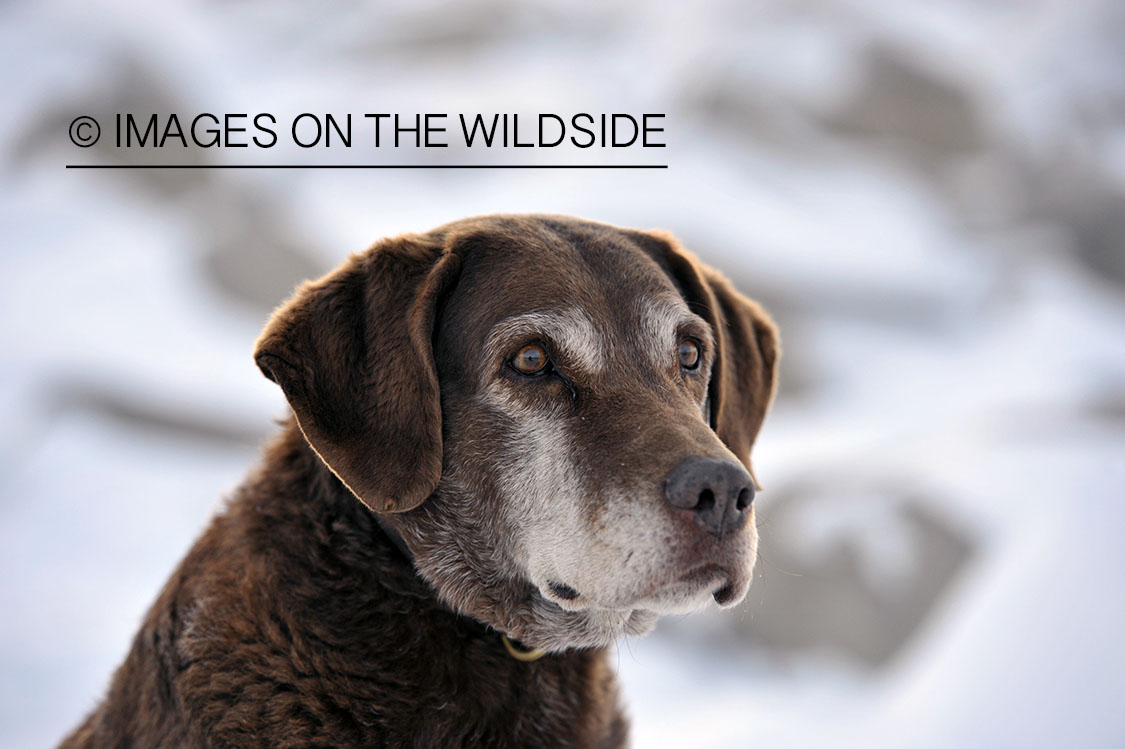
<point>519,653</point>
<point>516,651</point>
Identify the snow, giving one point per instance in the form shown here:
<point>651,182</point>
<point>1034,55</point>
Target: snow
<point>952,337</point>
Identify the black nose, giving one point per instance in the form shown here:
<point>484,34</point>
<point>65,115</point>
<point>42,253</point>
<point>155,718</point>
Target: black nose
<point>717,491</point>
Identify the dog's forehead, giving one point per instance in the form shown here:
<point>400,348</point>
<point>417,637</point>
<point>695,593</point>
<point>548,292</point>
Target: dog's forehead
<point>602,279</point>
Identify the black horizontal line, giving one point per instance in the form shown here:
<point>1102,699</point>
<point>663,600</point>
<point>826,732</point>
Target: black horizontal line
<point>366,166</point>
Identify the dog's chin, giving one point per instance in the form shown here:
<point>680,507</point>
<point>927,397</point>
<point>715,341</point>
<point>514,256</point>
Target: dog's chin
<point>557,630</point>
<point>677,593</point>
<point>559,624</point>
<point>696,589</point>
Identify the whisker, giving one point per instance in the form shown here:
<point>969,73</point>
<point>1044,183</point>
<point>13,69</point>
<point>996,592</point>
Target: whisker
<point>779,569</point>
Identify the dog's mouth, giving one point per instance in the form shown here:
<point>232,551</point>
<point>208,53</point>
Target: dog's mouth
<point>695,585</point>
<point>564,591</point>
<point>712,577</point>
<point>679,593</point>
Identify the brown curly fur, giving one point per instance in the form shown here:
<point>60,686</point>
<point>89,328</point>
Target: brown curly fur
<point>295,622</point>
<point>300,620</point>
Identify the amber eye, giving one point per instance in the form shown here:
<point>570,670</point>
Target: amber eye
<point>689,354</point>
<point>530,360</point>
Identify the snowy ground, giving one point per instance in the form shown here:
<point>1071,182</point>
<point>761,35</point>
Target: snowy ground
<point>930,200</point>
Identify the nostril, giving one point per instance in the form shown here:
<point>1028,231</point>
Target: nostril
<point>745,497</point>
<point>706,501</point>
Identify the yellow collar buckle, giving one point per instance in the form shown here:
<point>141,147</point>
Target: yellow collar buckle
<point>527,656</point>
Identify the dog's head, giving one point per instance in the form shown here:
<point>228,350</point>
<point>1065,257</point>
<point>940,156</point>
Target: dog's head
<point>556,416</point>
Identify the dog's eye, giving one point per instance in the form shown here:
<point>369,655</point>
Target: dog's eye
<point>689,354</point>
<point>530,360</point>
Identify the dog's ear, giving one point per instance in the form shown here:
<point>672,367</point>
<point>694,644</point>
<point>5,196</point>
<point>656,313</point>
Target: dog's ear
<point>744,374</point>
<point>353,354</point>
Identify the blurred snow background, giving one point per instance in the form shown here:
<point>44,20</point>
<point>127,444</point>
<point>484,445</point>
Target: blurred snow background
<point>930,198</point>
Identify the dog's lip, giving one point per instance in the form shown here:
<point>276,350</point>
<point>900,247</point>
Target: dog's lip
<point>706,574</point>
<point>701,573</point>
<point>711,576</point>
<point>717,576</point>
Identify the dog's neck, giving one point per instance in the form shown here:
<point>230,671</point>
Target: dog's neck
<point>395,539</point>
<point>297,584</point>
<point>361,538</point>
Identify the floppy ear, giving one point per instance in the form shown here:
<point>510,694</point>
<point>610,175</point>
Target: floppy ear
<point>744,373</point>
<point>353,354</point>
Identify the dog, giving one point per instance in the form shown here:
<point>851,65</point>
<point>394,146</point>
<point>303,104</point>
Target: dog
<point>513,440</point>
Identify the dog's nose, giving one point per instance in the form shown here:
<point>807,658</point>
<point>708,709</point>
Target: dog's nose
<point>717,491</point>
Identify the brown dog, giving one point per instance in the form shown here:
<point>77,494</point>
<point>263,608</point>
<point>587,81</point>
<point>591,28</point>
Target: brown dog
<point>548,423</point>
